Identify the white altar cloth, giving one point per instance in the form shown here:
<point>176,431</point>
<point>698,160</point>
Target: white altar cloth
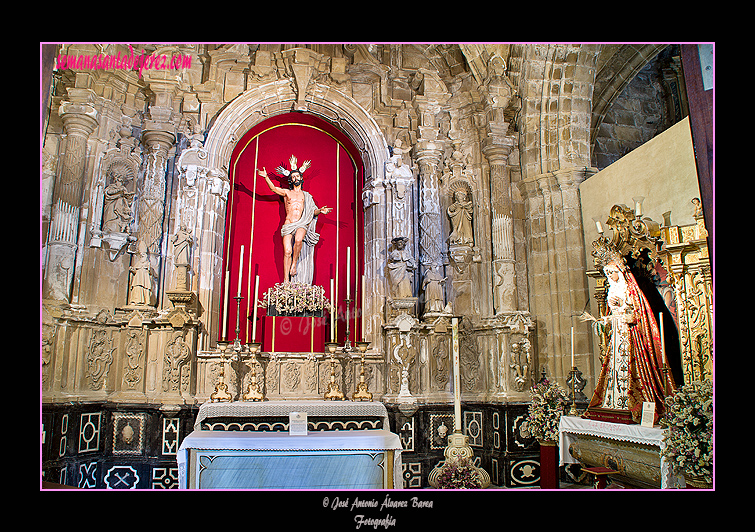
<point>283,408</point>
<point>284,444</point>
<point>570,426</point>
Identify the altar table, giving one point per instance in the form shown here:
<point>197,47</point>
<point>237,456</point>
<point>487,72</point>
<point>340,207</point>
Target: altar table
<point>248,445</point>
<point>570,429</point>
<point>355,459</point>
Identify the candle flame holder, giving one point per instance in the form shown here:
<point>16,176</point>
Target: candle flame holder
<point>253,392</point>
<point>362,393</point>
<point>221,394</point>
<point>333,393</point>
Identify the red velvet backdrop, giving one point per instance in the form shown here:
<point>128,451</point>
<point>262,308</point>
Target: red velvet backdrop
<point>255,215</point>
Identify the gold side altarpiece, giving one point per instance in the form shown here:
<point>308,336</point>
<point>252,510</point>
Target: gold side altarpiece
<point>682,251</point>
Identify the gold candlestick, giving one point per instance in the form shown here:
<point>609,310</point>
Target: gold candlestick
<point>221,394</point>
<point>362,394</point>
<point>253,392</point>
<point>333,393</point>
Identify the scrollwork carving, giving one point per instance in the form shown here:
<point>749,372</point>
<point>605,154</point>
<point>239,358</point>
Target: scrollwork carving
<point>176,356</point>
<point>133,367</point>
<point>99,358</point>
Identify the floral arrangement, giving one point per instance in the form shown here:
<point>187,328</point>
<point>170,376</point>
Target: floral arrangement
<point>549,401</point>
<point>295,299</point>
<point>459,474</point>
<point>689,440</point>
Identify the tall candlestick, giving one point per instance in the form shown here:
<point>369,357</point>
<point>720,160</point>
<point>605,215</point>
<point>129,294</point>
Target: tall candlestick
<point>241,270</point>
<point>663,342</point>
<point>572,346</point>
<point>348,273</point>
<point>225,305</point>
<point>254,319</point>
<point>332,310</point>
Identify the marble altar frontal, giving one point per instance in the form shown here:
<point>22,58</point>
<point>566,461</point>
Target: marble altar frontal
<point>251,445</point>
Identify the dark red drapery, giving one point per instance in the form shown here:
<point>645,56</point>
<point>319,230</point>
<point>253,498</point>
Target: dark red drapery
<point>254,217</point>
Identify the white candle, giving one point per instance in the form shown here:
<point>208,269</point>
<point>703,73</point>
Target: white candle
<point>254,319</point>
<point>348,273</point>
<point>225,304</point>
<point>241,270</point>
<point>364,301</point>
<point>572,346</point>
<point>332,310</point>
<point>663,342</point>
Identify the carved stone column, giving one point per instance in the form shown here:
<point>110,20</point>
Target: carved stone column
<point>497,146</point>
<point>502,230</point>
<point>556,263</point>
<point>79,121</point>
<point>158,137</point>
<point>200,211</point>
<point>428,151</point>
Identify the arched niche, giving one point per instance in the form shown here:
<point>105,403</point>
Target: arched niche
<point>256,105</point>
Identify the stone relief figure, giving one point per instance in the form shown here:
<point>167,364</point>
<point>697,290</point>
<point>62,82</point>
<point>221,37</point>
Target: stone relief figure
<point>399,169</point>
<point>117,215</point>
<point>432,285</point>
<point>182,242</point>
<point>140,289</point>
<point>400,261</point>
<point>460,213</point>
<point>399,177</point>
<point>194,134</point>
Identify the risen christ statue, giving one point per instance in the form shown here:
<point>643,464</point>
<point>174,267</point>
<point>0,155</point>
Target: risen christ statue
<point>298,230</point>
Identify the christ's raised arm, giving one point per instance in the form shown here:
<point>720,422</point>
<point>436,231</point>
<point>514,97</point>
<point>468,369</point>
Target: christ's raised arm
<point>277,190</point>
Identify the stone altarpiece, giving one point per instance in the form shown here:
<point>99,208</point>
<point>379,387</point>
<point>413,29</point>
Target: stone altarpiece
<point>131,306</point>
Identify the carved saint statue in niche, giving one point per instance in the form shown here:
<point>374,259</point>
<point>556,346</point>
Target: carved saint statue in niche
<point>116,215</point>
<point>432,284</point>
<point>397,153</point>
<point>140,289</point>
<point>182,242</point>
<point>460,213</point>
<point>298,230</point>
<point>400,261</point>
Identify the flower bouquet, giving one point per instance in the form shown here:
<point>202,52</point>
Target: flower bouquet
<point>549,401</point>
<point>459,474</point>
<point>295,299</point>
<point>688,444</point>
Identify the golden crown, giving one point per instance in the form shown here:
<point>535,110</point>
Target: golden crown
<point>604,253</point>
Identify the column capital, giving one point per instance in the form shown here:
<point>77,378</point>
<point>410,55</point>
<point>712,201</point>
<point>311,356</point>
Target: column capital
<point>78,112</point>
<point>428,151</point>
<point>161,133</point>
<point>498,152</point>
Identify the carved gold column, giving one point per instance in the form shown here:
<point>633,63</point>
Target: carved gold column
<point>685,255</point>
<point>79,121</point>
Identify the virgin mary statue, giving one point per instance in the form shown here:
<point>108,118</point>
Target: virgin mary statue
<point>632,366</point>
